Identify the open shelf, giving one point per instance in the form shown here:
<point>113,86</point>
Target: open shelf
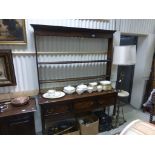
<point>73,79</point>
<point>71,62</point>
<point>62,31</point>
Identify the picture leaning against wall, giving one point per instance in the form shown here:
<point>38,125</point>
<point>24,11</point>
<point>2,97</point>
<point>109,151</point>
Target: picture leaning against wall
<point>7,73</point>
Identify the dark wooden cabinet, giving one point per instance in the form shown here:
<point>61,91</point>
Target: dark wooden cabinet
<point>18,120</point>
<point>150,85</point>
<point>73,105</point>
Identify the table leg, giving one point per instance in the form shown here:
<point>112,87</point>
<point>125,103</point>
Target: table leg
<point>123,115</point>
<point>114,110</point>
<point>117,115</point>
<point>151,113</point>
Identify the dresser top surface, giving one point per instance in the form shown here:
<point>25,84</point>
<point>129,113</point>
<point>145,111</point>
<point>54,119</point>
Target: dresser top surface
<point>13,110</point>
<point>75,96</point>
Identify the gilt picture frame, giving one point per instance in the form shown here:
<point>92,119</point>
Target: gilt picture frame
<point>7,74</point>
<point>12,31</point>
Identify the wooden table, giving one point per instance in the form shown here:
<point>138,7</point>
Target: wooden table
<point>70,106</point>
<point>18,120</point>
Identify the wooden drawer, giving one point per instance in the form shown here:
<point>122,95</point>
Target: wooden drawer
<point>18,125</point>
<point>83,105</point>
<point>20,118</point>
<point>54,110</point>
<point>106,101</point>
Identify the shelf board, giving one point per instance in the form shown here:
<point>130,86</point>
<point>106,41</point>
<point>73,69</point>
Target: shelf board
<point>71,62</point>
<point>48,30</point>
<point>73,79</point>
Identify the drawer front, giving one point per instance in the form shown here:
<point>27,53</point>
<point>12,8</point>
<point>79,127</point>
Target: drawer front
<point>54,110</point>
<point>18,125</point>
<point>24,127</point>
<point>20,118</point>
<point>106,101</point>
<point>83,105</point>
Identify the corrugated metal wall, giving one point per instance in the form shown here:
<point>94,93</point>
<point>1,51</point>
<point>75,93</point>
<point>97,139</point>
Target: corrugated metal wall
<point>25,67</point>
<point>67,49</point>
<point>137,26</point>
<point>25,71</point>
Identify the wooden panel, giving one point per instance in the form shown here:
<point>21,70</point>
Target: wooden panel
<point>47,30</point>
<point>153,83</point>
<point>22,124</point>
<point>18,120</point>
<point>83,105</point>
<point>109,57</point>
<point>106,101</point>
<point>22,127</point>
<point>54,110</point>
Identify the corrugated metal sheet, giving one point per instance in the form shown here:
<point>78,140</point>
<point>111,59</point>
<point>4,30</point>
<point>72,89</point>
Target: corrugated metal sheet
<point>59,71</point>
<point>78,49</point>
<point>25,71</point>
<point>137,26</point>
<point>71,45</point>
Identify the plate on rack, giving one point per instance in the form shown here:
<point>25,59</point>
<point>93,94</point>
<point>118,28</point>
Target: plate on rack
<point>57,94</point>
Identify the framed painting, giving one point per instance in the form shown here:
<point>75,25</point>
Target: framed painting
<point>12,31</point>
<point>7,74</point>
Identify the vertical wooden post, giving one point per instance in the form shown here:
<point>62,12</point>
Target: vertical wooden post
<point>36,54</point>
<point>109,57</point>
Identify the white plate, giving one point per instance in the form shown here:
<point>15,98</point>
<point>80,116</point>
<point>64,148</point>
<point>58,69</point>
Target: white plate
<point>57,94</point>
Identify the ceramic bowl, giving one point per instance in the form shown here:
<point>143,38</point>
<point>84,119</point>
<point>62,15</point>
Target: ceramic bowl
<point>105,82</point>
<point>99,88</point>
<point>82,87</point>
<point>79,91</point>
<point>90,89</point>
<point>69,89</point>
<point>107,87</point>
<point>93,84</point>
